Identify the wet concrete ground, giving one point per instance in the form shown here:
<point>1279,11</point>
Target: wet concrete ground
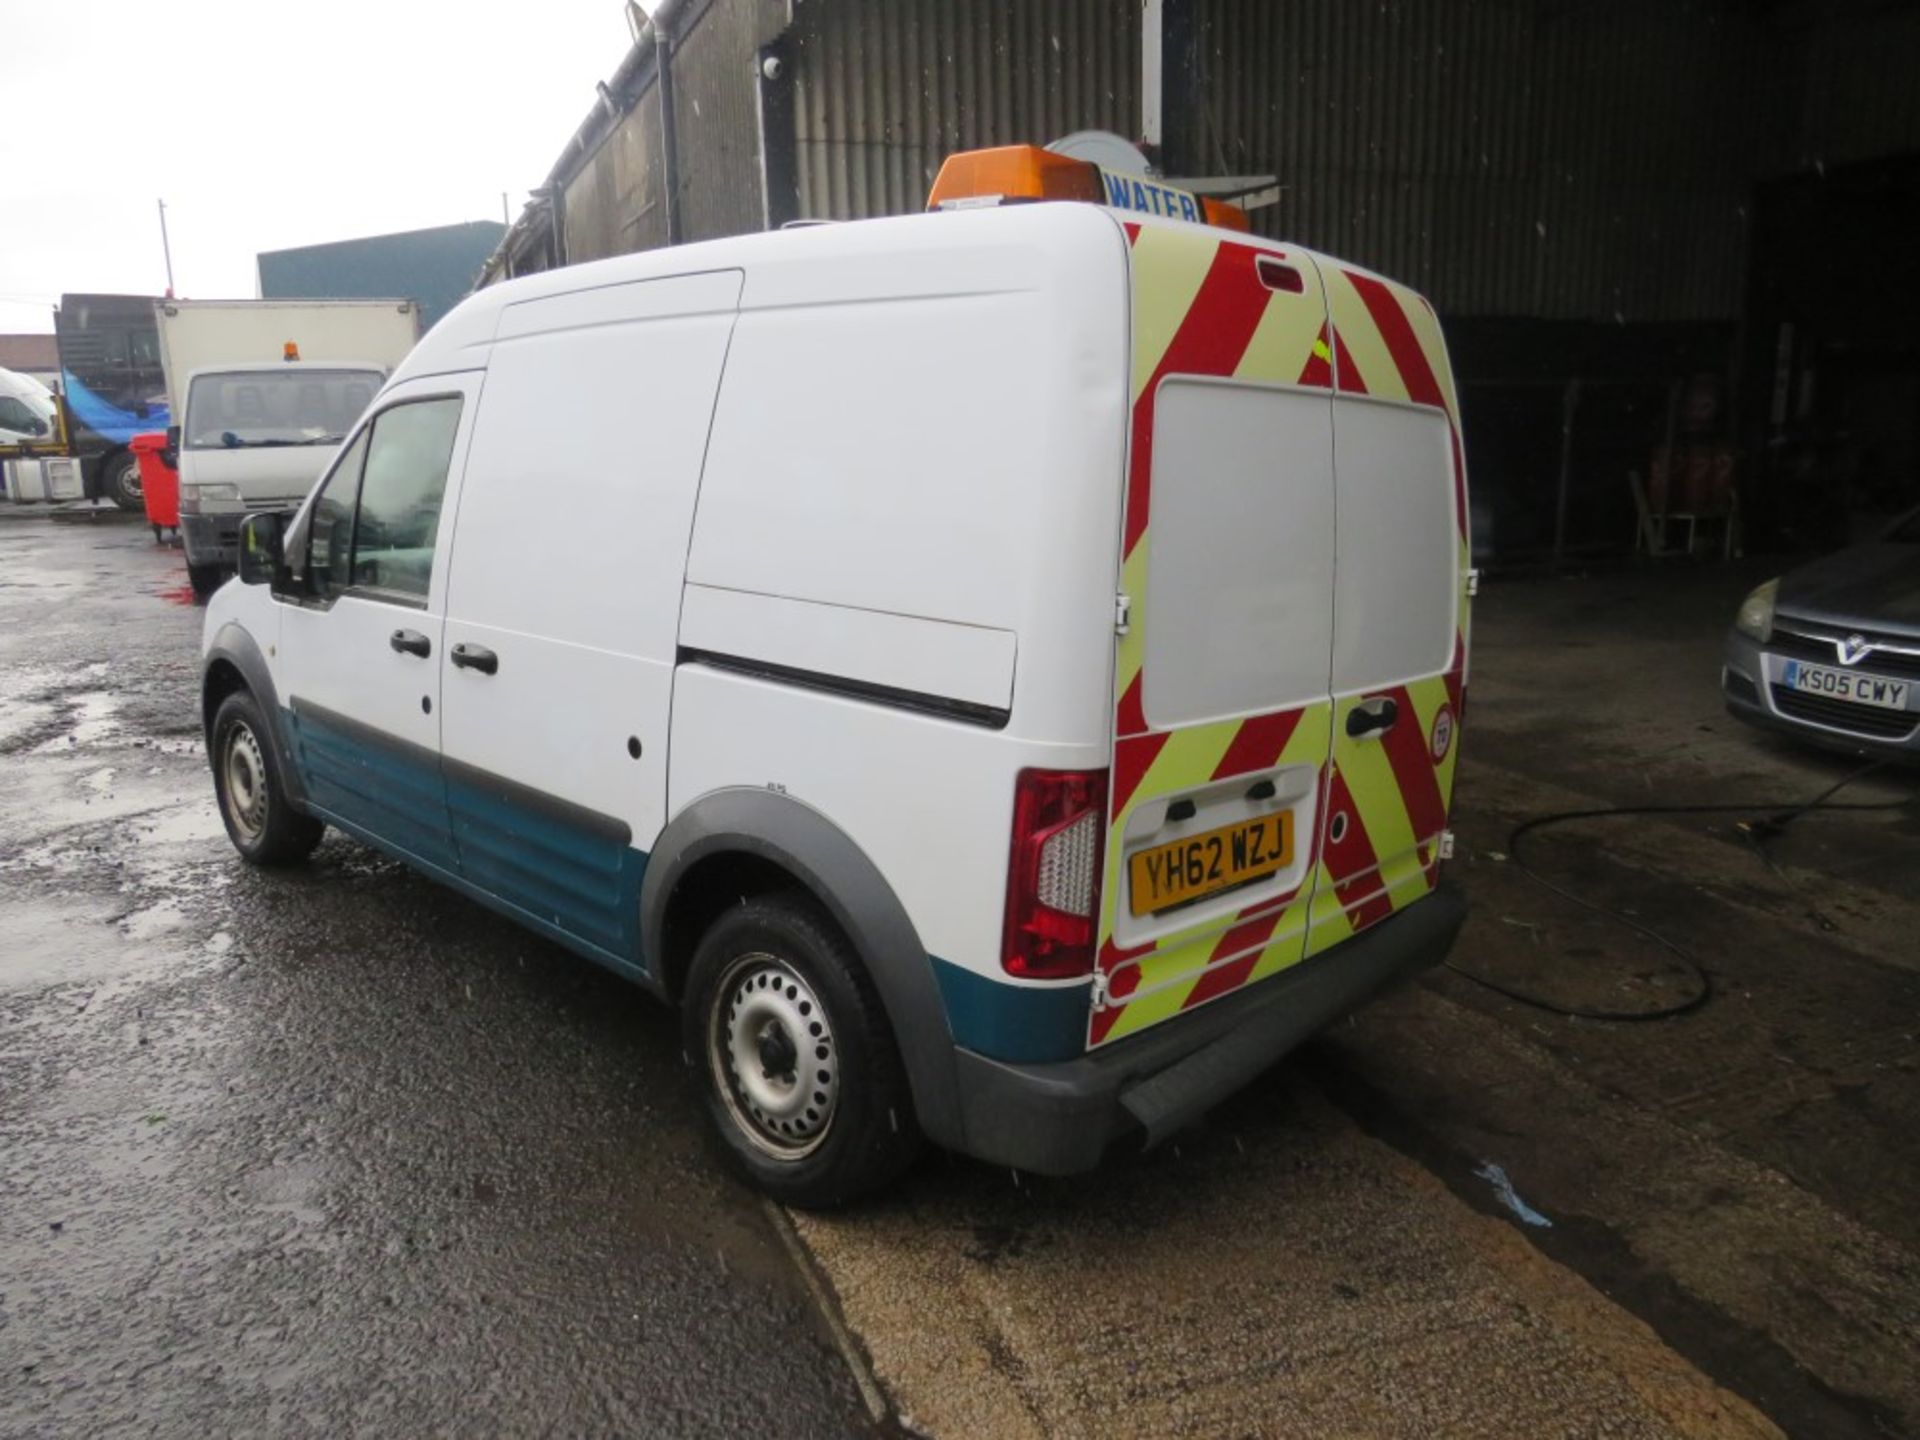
<point>1460,1215</point>
<point>332,1150</point>
<point>328,1151</point>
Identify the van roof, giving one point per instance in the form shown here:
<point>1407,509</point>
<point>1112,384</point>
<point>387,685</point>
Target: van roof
<point>812,264</point>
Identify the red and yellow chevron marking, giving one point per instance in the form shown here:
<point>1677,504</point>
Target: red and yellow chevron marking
<point>1387,803</point>
<point>1388,799</point>
<point>1185,969</point>
<point>1201,309</point>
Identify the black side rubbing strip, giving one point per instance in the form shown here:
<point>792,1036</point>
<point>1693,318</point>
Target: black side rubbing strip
<point>604,828</point>
<point>968,712</point>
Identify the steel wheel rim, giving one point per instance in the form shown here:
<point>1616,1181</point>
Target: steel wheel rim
<point>246,782</point>
<point>774,1059</point>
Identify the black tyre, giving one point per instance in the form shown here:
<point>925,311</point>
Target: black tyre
<point>260,819</point>
<point>205,579</point>
<point>803,1079</point>
<point>120,481</point>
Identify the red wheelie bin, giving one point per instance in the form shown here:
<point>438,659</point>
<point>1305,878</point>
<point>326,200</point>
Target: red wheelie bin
<point>159,483</point>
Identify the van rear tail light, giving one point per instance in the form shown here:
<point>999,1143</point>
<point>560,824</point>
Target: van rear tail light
<point>1053,873</point>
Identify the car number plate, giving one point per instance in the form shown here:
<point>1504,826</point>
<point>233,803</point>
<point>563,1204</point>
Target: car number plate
<point>1847,685</point>
<point>1204,864</point>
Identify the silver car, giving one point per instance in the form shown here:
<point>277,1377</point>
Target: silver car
<point>1831,651</point>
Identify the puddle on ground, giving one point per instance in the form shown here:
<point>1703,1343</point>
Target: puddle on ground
<point>92,714</point>
<point>55,805</point>
<point>154,920</point>
<point>23,717</point>
<point>192,821</point>
<point>59,941</point>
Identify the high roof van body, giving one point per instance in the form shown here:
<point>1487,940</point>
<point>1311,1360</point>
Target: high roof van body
<point>999,671</point>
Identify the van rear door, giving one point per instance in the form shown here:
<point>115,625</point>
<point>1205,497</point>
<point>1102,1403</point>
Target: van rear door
<point>1399,612</point>
<point>1222,691</point>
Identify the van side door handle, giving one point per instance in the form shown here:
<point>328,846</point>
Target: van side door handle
<point>1372,717</point>
<point>410,642</point>
<point>474,657</point>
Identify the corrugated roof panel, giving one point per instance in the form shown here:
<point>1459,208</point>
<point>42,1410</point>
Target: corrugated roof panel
<point>887,89</point>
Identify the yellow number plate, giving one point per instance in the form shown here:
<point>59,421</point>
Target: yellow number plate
<point>1201,865</point>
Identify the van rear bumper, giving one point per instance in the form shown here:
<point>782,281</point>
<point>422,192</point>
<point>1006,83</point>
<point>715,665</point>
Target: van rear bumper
<point>1059,1119</point>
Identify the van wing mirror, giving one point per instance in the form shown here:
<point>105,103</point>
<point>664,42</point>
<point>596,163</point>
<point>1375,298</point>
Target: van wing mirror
<point>263,558</point>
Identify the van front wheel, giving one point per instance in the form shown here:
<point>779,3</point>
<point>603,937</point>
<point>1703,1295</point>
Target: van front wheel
<point>260,819</point>
<point>802,1076</point>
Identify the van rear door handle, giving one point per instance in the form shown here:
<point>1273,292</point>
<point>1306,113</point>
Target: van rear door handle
<point>474,657</point>
<point>410,642</point>
<point>1372,717</point>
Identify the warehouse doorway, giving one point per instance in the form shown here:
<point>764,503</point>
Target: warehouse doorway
<point>1831,393</point>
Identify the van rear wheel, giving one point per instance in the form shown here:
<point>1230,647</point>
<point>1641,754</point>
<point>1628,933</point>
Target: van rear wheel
<point>802,1077</point>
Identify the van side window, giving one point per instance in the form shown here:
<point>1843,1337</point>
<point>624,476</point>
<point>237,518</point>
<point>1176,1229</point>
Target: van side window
<point>330,538</point>
<point>406,475</point>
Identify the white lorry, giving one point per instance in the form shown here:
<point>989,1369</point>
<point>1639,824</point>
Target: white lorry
<point>263,391</point>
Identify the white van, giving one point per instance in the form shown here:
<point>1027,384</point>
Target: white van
<point>26,413</point>
<point>999,671</point>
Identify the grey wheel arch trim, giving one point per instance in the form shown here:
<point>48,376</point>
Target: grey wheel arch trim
<point>809,846</point>
<point>240,650</point>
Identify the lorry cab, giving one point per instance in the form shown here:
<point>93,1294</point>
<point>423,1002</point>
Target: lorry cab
<point>998,671</point>
<point>256,437</point>
<point>261,393</point>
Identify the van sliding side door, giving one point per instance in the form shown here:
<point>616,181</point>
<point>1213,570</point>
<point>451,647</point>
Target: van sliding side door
<point>564,611</point>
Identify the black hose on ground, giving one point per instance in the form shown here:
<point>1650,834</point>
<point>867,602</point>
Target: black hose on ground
<point>1757,832</point>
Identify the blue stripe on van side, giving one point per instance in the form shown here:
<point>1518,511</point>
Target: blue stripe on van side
<point>576,874</point>
<point>393,790</point>
<point>1023,1024</point>
<point>558,869</point>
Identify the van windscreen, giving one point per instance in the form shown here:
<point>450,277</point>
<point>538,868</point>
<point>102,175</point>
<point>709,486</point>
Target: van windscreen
<point>239,408</point>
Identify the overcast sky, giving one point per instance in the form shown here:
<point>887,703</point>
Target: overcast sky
<point>265,124</point>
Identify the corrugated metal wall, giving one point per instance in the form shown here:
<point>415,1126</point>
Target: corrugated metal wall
<point>717,130</point>
<point>1862,89</point>
<point>1511,157</point>
<point>1557,159</point>
<point>886,89</point>
<point>1508,158</point>
<point>617,201</point>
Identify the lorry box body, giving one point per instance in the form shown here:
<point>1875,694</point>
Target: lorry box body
<point>1002,667</point>
<point>262,391</point>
